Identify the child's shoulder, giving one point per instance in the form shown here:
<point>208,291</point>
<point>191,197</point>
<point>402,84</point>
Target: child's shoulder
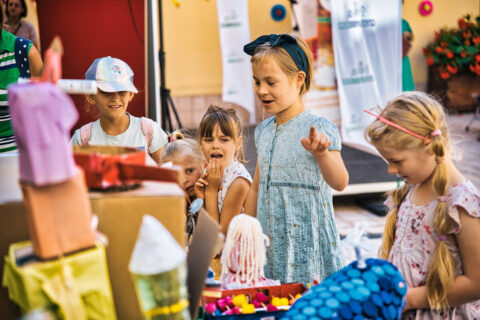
<point>466,196</point>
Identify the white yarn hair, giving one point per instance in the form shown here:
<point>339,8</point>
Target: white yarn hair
<point>246,235</point>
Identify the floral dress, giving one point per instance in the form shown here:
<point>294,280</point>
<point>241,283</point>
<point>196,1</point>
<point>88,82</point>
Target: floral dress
<point>294,203</point>
<point>415,241</point>
<point>231,172</point>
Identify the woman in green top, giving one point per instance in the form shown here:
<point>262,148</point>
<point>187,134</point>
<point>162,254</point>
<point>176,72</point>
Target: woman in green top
<point>407,76</point>
<point>18,58</point>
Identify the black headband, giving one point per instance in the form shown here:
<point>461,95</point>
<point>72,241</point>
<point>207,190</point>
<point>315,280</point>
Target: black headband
<point>285,41</point>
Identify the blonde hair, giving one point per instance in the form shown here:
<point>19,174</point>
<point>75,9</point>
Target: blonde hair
<point>229,123</point>
<point>180,144</point>
<point>286,62</point>
<point>245,245</point>
<point>420,113</point>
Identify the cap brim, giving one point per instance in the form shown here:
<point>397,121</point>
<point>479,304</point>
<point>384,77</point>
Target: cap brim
<point>116,86</point>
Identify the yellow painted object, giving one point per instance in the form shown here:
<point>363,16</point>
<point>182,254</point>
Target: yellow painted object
<point>248,308</point>
<point>76,286</point>
<point>239,300</point>
<point>284,301</point>
<point>276,301</point>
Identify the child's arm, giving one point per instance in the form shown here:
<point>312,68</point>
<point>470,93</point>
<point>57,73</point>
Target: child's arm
<point>157,155</point>
<point>232,205</point>
<point>36,63</point>
<point>466,287</point>
<point>251,202</point>
<point>330,162</point>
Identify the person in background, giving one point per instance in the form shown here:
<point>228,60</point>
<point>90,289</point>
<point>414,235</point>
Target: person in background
<point>23,62</point>
<point>407,76</point>
<point>15,11</point>
<point>116,127</point>
<point>298,164</point>
<point>432,232</point>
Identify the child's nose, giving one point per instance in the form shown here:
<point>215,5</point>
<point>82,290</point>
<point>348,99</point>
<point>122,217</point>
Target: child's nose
<point>392,169</point>
<point>262,89</point>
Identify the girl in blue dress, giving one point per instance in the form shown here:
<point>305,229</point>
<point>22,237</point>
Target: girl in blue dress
<point>298,162</point>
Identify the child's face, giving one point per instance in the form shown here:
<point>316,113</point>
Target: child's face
<point>219,146</point>
<point>275,89</point>
<point>414,166</point>
<point>192,170</point>
<point>111,104</point>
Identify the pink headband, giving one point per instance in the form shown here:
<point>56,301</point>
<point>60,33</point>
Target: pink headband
<point>416,135</point>
<point>173,138</point>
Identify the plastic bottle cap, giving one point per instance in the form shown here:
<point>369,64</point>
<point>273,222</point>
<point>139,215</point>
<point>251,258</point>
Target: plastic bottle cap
<point>347,285</point>
<point>353,273</point>
<point>332,303</point>
<point>376,299</point>
<point>343,297</point>
<point>309,311</point>
<point>325,312</point>
<point>370,309</point>
<point>335,289</point>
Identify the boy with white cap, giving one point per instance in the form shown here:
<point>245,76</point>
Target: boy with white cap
<point>116,126</point>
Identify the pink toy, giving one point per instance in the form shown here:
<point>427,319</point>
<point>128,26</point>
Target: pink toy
<point>221,304</point>
<point>42,116</point>
<point>210,308</point>
<point>261,297</point>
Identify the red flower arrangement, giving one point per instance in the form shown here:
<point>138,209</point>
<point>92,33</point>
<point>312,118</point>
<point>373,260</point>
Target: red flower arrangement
<point>455,50</point>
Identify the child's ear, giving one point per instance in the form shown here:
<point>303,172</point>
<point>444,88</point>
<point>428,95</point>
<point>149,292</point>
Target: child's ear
<point>300,78</point>
<point>91,99</point>
<point>238,143</point>
<point>131,96</point>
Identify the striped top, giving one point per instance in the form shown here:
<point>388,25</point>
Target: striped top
<point>13,64</point>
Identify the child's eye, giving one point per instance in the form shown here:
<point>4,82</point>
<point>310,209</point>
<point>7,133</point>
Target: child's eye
<point>207,139</point>
<point>188,171</point>
<point>257,83</point>
<point>271,83</point>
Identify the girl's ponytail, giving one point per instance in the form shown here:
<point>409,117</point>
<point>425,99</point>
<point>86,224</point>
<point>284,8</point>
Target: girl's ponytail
<point>389,233</point>
<point>441,271</point>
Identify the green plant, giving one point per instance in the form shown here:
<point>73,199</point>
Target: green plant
<point>456,49</point>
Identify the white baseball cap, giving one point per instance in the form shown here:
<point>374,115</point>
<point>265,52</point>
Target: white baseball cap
<point>111,74</point>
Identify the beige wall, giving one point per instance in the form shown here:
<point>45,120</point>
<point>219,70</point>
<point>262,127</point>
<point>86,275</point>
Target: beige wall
<point>445,13</point>
<point>192,46</point>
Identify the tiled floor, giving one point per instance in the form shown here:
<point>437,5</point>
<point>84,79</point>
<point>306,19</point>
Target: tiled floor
<point>466,155</point>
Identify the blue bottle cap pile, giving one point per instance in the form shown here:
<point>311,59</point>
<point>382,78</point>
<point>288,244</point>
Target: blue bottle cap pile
<point>374,292</point>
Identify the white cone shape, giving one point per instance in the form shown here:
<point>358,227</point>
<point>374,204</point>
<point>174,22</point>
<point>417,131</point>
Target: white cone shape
<point>155,251</point>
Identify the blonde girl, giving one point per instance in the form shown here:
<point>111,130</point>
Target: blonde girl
<point>225,183</point>
<point>298,163</point>
<point>432,232</point>
<point>185,152</point>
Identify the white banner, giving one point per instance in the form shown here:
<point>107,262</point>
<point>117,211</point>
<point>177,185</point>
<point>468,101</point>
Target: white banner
<point>237,71</point>
<point>367,41</point>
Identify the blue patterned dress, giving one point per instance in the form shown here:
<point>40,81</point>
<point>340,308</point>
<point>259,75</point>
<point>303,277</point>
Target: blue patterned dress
<point>294,202</point>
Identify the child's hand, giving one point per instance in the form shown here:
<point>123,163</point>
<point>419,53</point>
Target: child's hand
<point>317,142</point>
<point>214,174</point>
<point>200,186</point>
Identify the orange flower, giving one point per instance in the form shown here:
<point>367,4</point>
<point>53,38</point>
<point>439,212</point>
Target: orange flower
<point>439,50</point>
<point>430,61</point>
<point>452,69</point>
<point>449,54</point>
<point>477,57</point>
<point>444,75</point>
<point>463,54</point>
<point>461,24</point>
<point>467,42</point>
<point>476,39</point>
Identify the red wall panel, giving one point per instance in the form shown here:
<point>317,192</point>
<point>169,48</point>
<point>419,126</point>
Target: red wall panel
<point>91,29</point>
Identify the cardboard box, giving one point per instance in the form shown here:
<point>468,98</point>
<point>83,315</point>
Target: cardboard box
<point>120,215</point>
<point>59,217</point>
